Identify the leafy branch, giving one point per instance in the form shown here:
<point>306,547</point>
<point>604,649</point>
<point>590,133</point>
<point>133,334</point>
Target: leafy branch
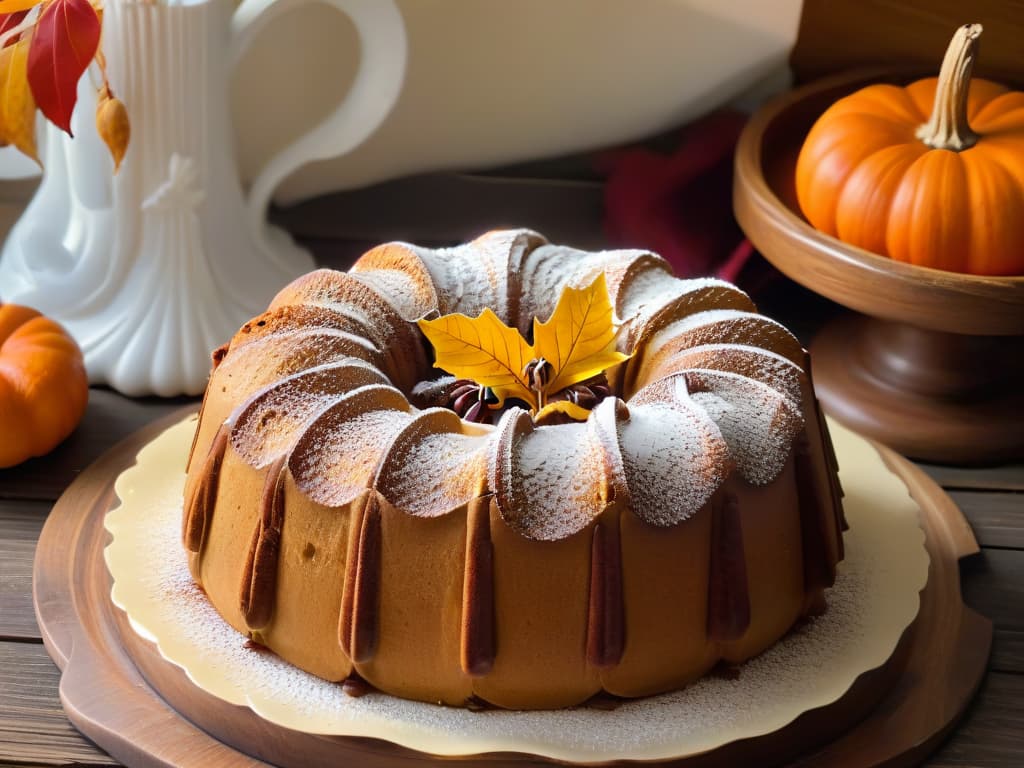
<point>45,48</point>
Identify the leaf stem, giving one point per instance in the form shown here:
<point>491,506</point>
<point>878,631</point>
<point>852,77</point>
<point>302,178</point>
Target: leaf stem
<point>947,128</point>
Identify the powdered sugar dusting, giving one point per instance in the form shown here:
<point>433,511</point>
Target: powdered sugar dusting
<point>398,287</point>
<point>473,277</point>
<point>459,287</point>
<point>873,600</point>
<point>726,326</point>
<point>551,268</point>
<point>765,366</point>
<point>757,422</point>
<point>398,340</point>
<point>554,488</point>
<point>429,473</point>
<point>545,272</point>
<point>650,287</point>
<point>674,459</point>
<point>650,296</point>
<point>338,455</point>
<point>273,419</point>
<point>653,317</point>
<point>273,357</point>
<point>343,293</point>
<point>555,479</point>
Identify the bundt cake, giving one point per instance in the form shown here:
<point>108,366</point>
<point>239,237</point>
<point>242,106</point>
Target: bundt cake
<point>693,518</point>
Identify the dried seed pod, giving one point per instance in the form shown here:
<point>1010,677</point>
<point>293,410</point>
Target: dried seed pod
<point>586,394</point>
<point>434,394</point>
<point>462,389</point>
<point>538,373</point>
<point>477,412</point>
<point>465,401</point>
<point>113,125</point>
<point>471,401</point>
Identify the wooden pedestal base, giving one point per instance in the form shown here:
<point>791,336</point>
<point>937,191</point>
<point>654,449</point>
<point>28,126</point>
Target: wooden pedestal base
<point>932,395</point>
<point>938,375</point>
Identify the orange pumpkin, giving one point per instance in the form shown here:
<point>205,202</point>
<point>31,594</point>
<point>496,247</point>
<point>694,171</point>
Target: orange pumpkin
<point>931,174</point>
<point>43,385</point>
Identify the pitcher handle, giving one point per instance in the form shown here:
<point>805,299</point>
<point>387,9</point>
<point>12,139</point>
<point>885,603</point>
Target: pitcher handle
<point>378,82</point>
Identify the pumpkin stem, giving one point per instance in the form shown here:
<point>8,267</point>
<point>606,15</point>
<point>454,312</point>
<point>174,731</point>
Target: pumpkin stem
<point>948,128</point>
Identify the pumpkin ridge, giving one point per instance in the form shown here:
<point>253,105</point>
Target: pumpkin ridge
<point>982,94</point>
<point>891,123</point>
<point>918,227</point>
<point>996,241</point>
<point>921,93</point>
<point>881,100</point>
<point>47,337</point>
<point>13,317</point>
<point>882,173</point>
<point>822,174</point>
<point>994,122</point>
<point>10,375</point>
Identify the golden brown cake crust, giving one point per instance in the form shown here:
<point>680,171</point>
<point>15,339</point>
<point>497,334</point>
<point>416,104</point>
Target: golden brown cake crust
<point>692,519</point>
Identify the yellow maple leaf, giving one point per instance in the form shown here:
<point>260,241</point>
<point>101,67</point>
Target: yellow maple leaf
<point>570,409</point>
<point>482,349</point>
<point>17,107</point>
<point>579,337</point>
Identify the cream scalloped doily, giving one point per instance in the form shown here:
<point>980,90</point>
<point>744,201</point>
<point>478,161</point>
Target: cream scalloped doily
<point>876,597</point>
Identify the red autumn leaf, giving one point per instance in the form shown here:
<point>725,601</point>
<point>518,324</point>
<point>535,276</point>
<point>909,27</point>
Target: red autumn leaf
<point>66,38</point>
<point>9,21</point>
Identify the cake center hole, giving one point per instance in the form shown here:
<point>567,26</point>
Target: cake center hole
<point>479,404</point>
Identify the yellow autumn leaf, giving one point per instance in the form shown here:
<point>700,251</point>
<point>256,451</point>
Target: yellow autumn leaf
<point>570,409</point>
<point>482,349</point>
<point>17,107</point>
<point>579,337</point>
<point>13,6</point>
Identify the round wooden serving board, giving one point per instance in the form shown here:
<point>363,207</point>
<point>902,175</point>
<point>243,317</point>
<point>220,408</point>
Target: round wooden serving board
<point>111,675</point>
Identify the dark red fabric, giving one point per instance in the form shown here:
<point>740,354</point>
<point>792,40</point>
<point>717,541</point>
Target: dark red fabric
<point>679,205</point>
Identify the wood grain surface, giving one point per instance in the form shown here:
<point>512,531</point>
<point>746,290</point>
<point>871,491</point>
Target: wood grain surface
<point>834,35</point>
<point>837,35</point>
<point>924,688</point>
<point>34,730</point>
<point>33,726</point>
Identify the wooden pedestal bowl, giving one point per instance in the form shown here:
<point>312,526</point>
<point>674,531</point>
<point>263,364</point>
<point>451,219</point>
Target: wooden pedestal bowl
<point>933,363</point>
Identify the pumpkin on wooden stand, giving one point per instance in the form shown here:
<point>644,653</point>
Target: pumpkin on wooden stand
<point>43,385</point>
<point>931,173</point>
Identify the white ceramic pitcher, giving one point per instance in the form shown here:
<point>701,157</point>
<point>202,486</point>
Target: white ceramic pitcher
<point>492,82</point>
<point>154,267</point>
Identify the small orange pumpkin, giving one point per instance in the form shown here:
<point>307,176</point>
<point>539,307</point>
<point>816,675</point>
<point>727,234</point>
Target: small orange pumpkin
<point>945,191</point>
<point>43,385</point>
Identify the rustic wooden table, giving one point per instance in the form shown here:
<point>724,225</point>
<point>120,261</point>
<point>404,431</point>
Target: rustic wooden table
<point>34,730</point>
